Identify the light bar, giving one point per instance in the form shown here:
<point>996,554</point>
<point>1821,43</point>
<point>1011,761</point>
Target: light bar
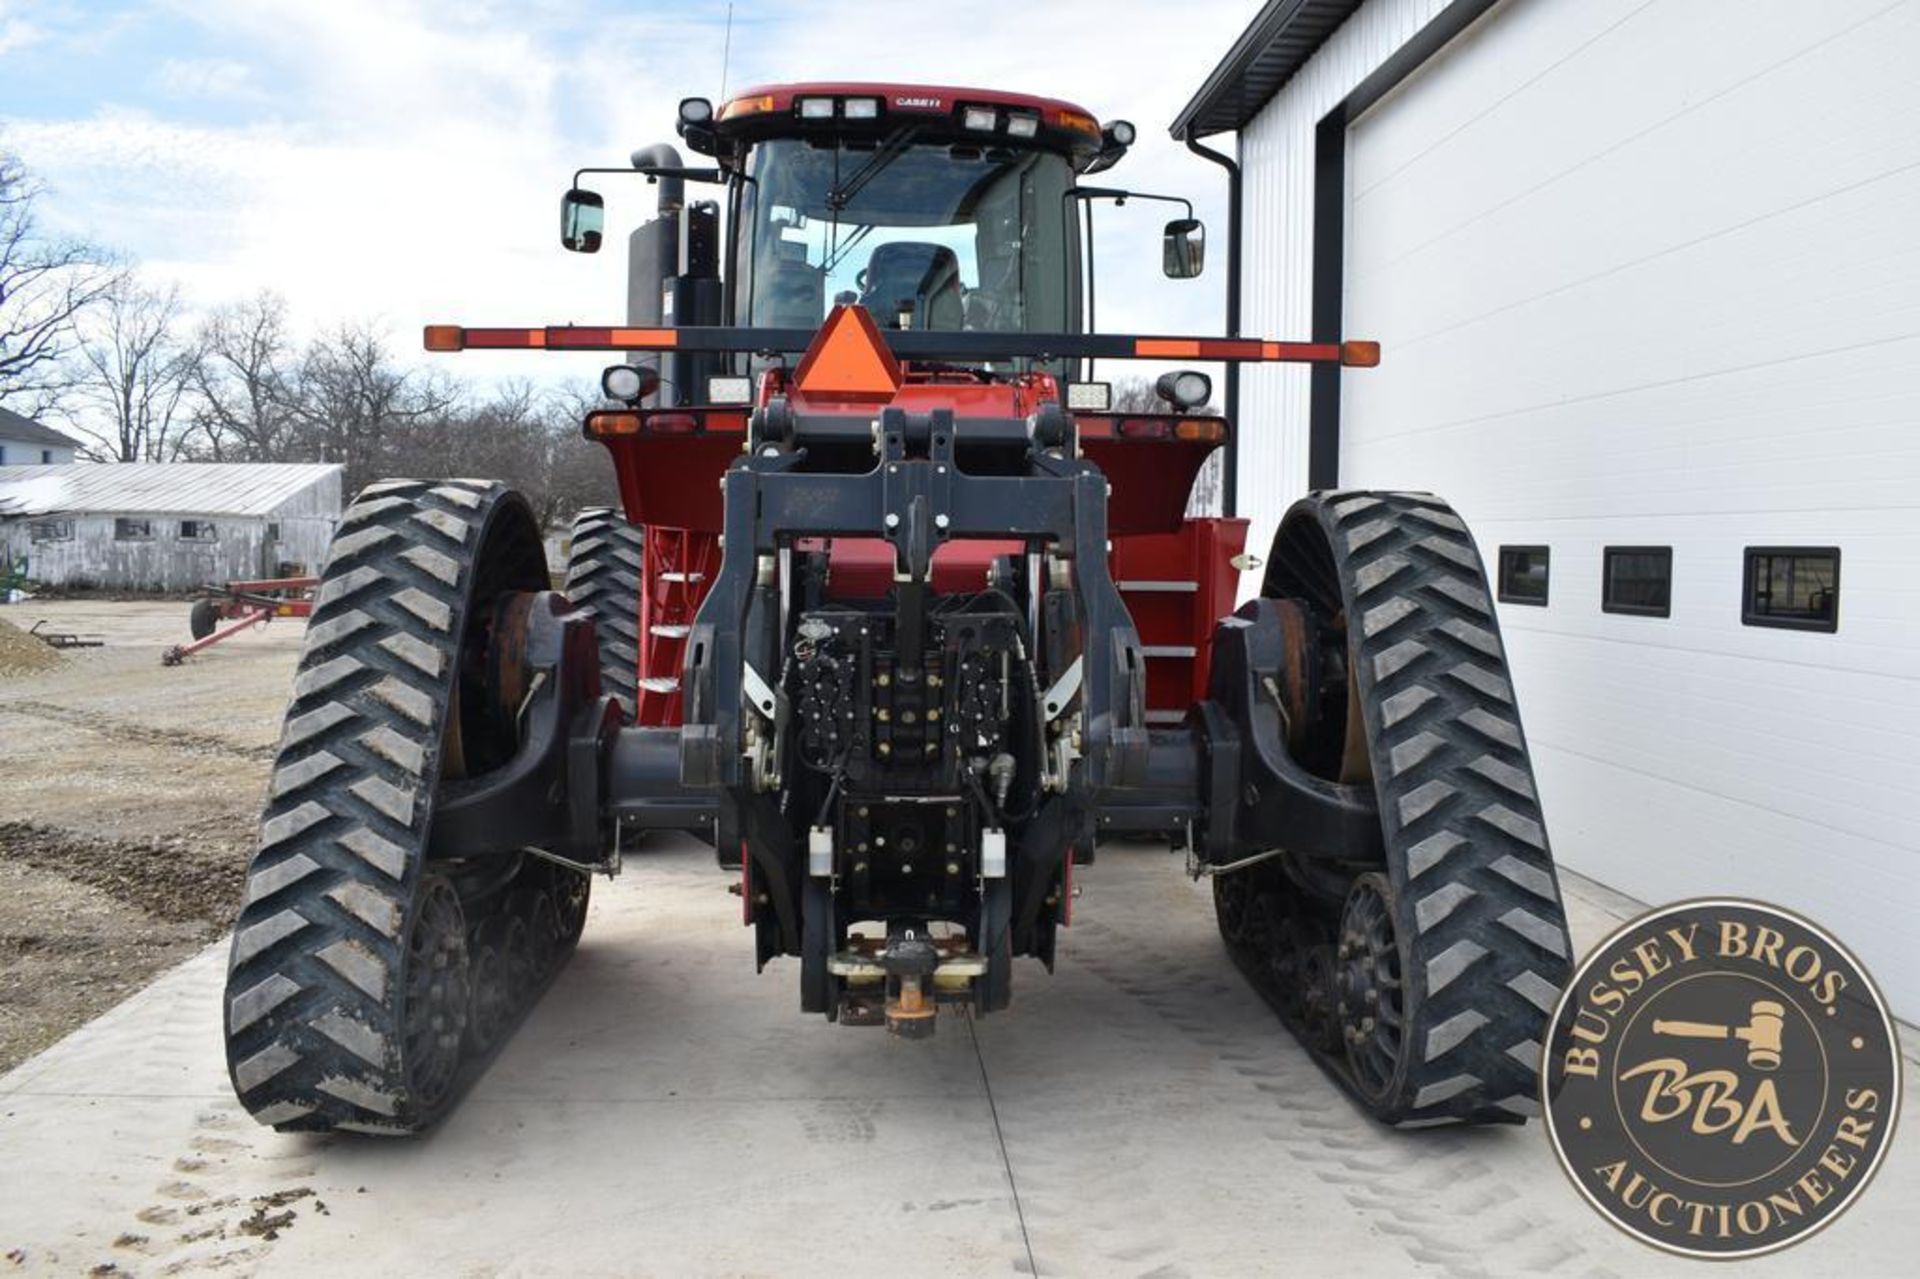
<point>980,119</point>
<point>906,344</point>
<point>1023,126</point>
<point>861,108</point>
<point>816,108</point>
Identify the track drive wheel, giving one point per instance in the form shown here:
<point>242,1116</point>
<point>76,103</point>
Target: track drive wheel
<point>1445,962</point>
<point>604,570</point>
<point>350,989</point>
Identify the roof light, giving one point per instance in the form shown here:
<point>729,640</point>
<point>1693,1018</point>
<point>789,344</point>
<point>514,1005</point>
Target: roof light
<point>1121,131</point>
<point>728,389</point>
<point>1186,388</point>
<point>1078,121</point>
<point>816,108</point>
<point>981,119</point>
<point>756,105</point>
<point>1023,126</point>
<point>862,108</point>
<point>1089,397</point>
<point>695,111</point>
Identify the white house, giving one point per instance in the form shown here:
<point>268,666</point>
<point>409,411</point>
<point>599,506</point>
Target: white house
<point>149,526</point>
<point>1647,282</point>
<point>24,442</point>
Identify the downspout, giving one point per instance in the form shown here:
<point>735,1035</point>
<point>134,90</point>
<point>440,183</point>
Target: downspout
<point>1230,468</point>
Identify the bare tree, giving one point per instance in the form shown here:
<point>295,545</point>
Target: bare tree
<point>352,403</point>
<point>46,285</point>
<point>579,471</point>
<point>135,375</point>
<point>520,433</point>
<point>244,383</point>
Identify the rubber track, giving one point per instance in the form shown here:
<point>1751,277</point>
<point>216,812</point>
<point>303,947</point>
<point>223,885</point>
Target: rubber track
<point>604,570</point>
<point>1478,904</point>
<point>317,978</point>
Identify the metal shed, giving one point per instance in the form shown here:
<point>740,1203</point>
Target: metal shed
<point>166,526</point>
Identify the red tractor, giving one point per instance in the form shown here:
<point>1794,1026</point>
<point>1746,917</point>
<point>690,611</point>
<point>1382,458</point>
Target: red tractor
<point>905,621</point>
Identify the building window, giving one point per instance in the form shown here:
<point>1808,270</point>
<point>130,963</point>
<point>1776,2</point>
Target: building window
<point>1796,587</point>
<point>197,531</point>
<point>51,530</point>
<point>1523,575</point>
<point>3,455</point>
<point>126,530</point>
<point>46,457</point>
<point>273,531</point>
<point>1637,579</point>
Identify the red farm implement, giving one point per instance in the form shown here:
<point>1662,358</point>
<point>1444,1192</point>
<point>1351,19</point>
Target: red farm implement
<point>224,611</point>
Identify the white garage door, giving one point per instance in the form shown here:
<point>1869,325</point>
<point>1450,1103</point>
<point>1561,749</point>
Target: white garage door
<point>1648,274</point>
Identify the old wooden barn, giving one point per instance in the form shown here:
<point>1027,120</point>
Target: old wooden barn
<point>166,527</point>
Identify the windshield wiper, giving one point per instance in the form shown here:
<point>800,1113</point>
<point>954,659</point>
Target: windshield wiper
<point>892,149</point>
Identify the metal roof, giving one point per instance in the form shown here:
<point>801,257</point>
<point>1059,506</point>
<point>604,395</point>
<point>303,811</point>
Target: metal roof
<point>27,431</point>
<point>162,488</point>
<point>1275,45</point>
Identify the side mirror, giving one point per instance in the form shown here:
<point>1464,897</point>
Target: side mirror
<point>1184,248</point>
<point>583,215</point>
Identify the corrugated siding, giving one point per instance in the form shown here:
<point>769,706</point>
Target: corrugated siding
<point>1276,150</point>
<point>1642,283</point>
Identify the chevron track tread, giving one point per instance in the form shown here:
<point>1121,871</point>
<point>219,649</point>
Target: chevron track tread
<point>604,572</point>
<point>1478,910</point>
<point>317,976</point>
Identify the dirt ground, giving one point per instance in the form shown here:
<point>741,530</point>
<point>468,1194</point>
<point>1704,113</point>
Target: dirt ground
<point>128,797</point>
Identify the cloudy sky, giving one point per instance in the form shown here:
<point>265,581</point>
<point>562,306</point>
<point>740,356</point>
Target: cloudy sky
<point>402,161</point>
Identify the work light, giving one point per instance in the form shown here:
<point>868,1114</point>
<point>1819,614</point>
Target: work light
<point>1184,388</point>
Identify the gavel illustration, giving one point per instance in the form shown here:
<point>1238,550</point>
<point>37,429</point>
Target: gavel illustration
<point>1762,1032</point>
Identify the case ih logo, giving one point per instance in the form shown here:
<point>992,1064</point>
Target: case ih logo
<point>1721,1078</point>
<point>930,104</point>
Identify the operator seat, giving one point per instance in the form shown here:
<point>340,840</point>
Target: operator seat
<point>927,275</point>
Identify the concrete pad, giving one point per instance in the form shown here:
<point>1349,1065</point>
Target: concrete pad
<point>666,1111</point>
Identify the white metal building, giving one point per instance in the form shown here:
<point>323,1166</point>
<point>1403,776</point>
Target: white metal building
<point>1646,274</point>
<point>142,526</point>
<point>24,442</point>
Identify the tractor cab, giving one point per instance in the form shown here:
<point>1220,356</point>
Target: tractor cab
<point>932,208</point>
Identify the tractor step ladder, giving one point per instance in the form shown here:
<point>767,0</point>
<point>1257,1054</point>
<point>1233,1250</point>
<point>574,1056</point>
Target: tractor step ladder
<point>678,565</point>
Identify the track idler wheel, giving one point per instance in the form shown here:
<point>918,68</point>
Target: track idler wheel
<point>1369,987</point>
